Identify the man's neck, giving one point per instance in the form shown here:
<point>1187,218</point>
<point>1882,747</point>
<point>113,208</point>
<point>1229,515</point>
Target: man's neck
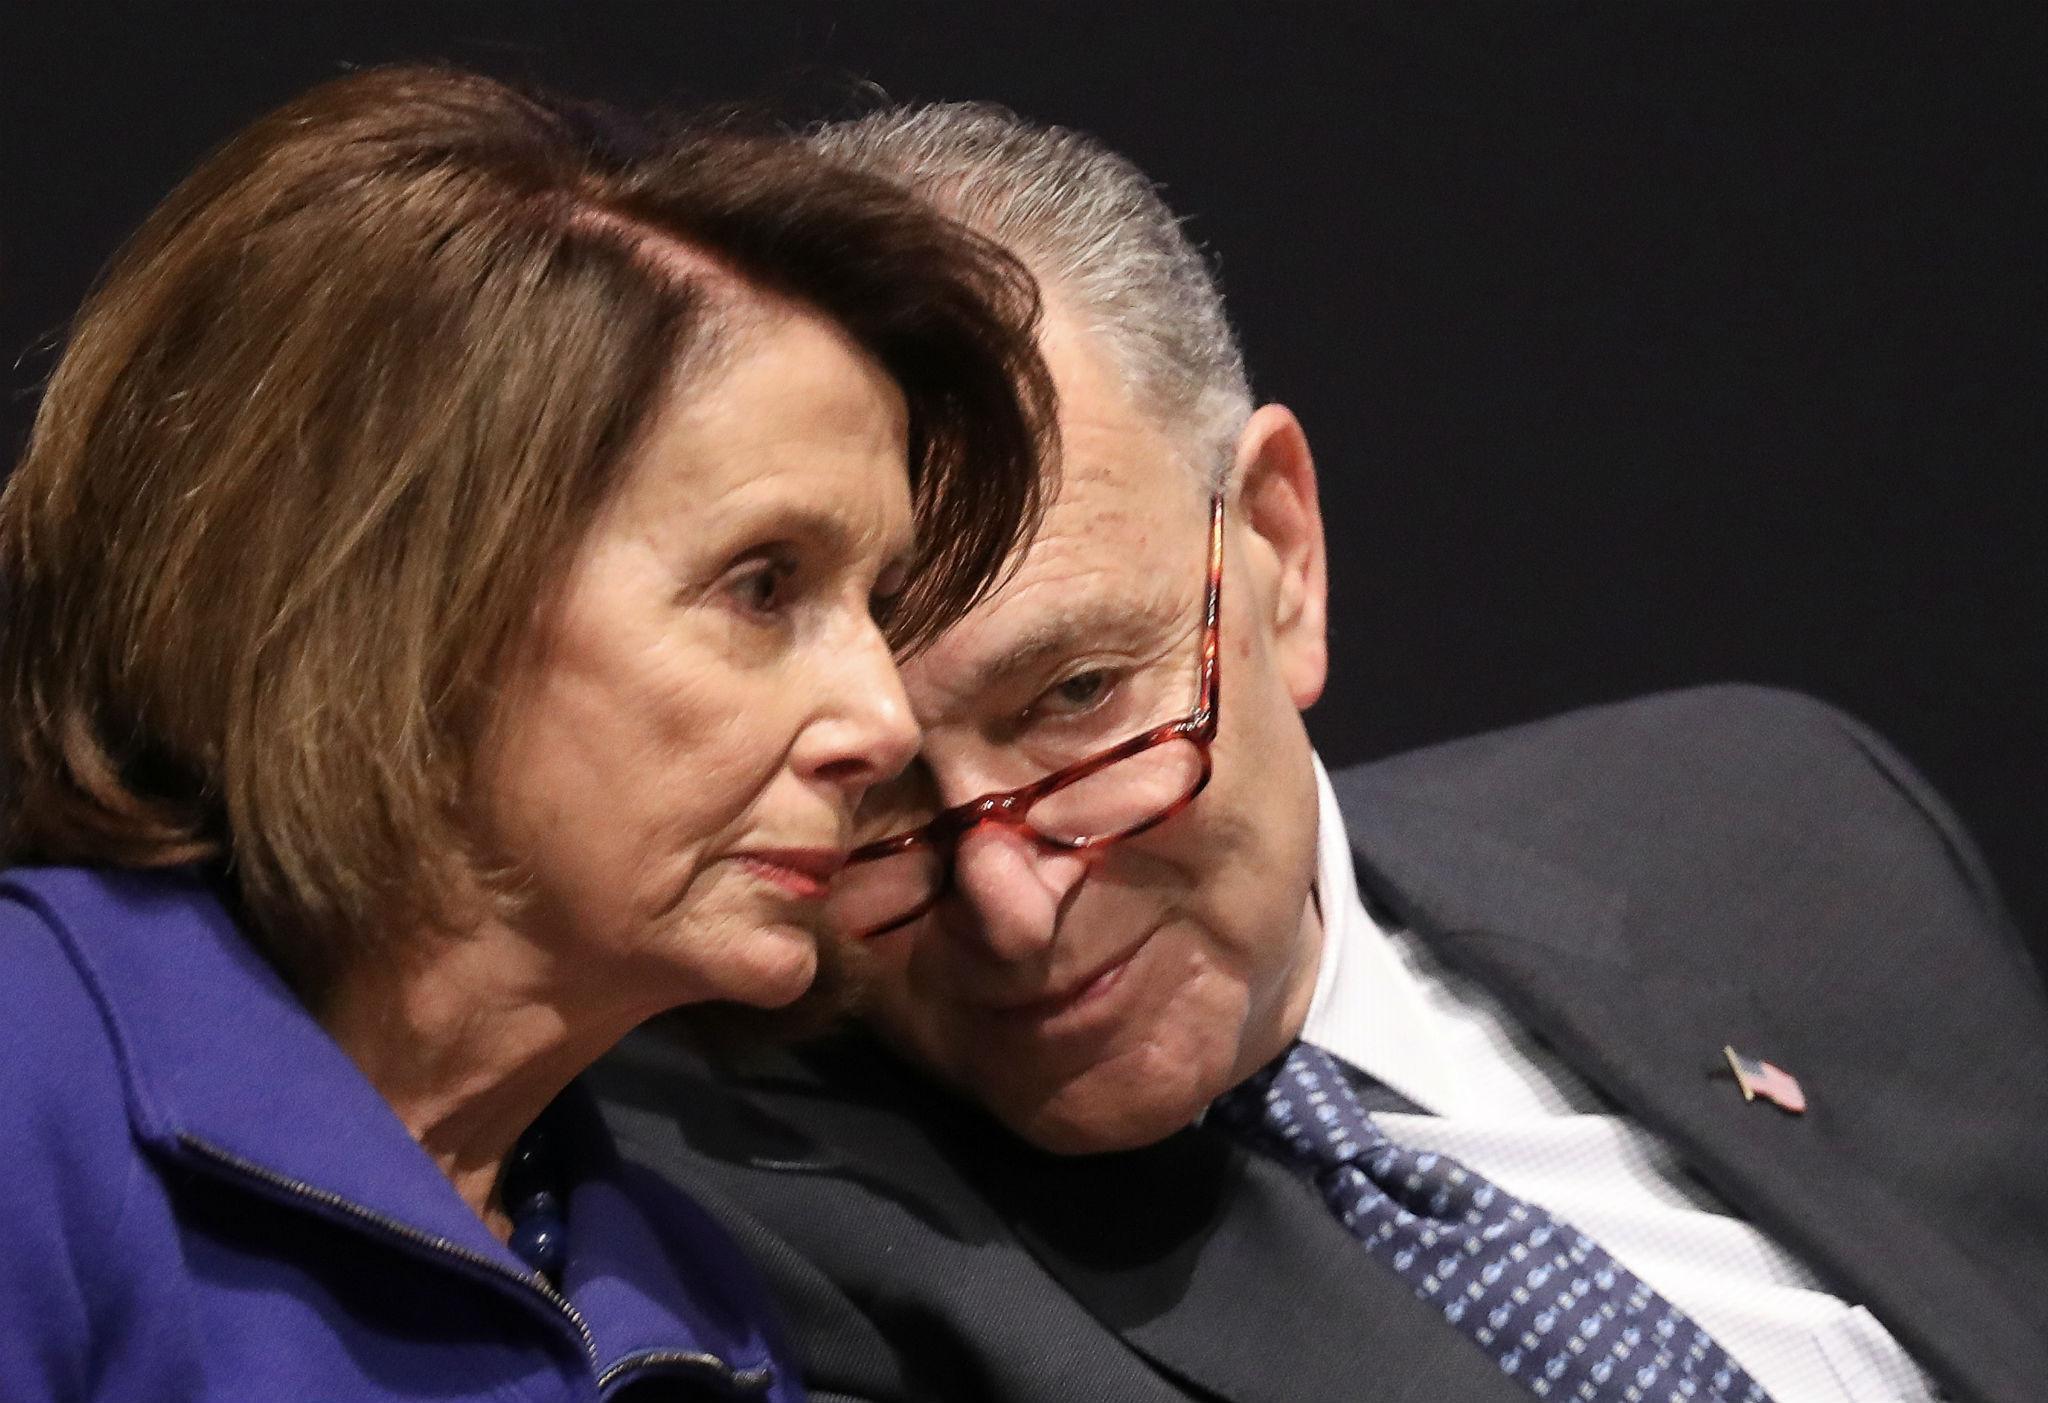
<point>1297,993</point>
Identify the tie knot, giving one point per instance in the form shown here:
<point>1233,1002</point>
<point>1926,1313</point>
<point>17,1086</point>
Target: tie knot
<point>1545,1301</point>
<point>1302,1107</point>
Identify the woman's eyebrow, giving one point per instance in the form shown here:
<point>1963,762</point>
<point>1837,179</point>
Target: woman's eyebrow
<point>804,522</point>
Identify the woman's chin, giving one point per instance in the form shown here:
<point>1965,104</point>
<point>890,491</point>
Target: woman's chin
<point>790,999</point>
<point>771,968</point>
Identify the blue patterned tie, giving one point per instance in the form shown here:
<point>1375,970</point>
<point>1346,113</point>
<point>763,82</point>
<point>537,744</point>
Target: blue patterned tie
<point>1543,1299</point>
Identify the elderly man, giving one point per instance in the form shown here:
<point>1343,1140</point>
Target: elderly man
<point>1676,1049</point>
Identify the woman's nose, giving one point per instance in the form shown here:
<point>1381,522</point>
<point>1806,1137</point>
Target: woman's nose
<point>864,733</point>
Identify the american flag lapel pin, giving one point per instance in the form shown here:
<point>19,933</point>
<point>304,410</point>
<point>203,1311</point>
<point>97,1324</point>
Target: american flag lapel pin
<point>1757,1078</point>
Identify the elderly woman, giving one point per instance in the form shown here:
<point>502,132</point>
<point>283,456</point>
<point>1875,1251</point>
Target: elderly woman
<point>445,611</point>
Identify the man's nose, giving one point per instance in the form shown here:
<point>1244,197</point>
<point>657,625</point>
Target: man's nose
<point>1009,891</point>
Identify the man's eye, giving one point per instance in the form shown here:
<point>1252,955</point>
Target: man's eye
<point>1081,692</point>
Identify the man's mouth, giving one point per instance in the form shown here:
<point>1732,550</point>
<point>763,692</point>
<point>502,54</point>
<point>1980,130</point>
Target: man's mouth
<point>1067,998</point>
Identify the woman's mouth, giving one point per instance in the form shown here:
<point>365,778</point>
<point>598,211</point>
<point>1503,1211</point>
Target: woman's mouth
<point>804,873</point>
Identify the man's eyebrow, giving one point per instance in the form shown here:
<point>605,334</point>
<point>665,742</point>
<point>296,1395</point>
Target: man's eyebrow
<point>1054,638</point>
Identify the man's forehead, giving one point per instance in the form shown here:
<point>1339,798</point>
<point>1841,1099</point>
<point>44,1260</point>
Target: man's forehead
<point>1115,455</point>
<point>1067,599</point>
<point>1113,559</point>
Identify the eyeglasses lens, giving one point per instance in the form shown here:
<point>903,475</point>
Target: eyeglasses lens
<point>1116,800</point>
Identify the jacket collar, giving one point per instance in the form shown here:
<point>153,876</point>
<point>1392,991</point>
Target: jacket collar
<point>227,1071</point>
<point>222,1061</point>
<point>1640,1015</point>
<point>1160,1243</point>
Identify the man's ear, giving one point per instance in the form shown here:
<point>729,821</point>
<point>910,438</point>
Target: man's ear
<point>1276,477</point>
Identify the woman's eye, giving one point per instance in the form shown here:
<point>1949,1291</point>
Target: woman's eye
<point>888,592</point>
<point>761,587</point>
<point>882,605</point>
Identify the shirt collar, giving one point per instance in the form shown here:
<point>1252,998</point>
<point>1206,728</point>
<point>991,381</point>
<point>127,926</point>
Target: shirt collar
<point>1369,1008</point>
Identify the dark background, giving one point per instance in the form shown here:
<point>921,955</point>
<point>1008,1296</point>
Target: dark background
<point>1640,344</point>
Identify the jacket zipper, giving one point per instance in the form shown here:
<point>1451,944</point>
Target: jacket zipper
<point>748,1380</point>
<point>404,1232</point>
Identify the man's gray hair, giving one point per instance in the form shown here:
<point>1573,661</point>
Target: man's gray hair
<point>1095,231</point>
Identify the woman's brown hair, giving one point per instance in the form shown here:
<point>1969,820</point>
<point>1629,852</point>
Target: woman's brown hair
<point>334,422</point>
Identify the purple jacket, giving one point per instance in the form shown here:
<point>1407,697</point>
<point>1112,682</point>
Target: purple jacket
<point>205,1200</point>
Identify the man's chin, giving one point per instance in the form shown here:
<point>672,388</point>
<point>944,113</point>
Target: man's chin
<point>1070,1124</point>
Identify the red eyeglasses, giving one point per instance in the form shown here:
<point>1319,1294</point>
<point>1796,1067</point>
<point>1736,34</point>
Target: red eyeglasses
<point>1114,794</point>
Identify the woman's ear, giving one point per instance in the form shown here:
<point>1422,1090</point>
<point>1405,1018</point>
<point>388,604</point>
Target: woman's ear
<point>1276,478</point>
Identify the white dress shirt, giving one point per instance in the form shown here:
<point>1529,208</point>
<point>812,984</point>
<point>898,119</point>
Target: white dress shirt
<point>1511,1110</point>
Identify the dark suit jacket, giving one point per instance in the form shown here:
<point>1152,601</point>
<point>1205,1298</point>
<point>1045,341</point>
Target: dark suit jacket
<point>1641,884</point>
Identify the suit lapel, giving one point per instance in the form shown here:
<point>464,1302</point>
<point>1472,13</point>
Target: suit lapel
<point>1569,959</point>
<point>1219,1267</point>
<point>1229,1274</point>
